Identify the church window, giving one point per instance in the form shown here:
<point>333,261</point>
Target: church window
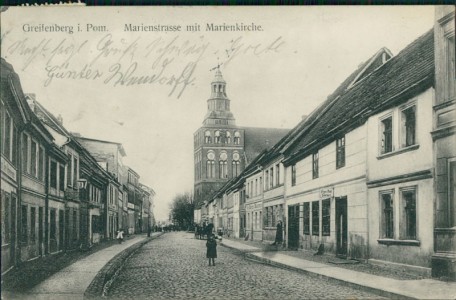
<point>237,138</point>
<point>228,137</point>
<point>207,137</point>
<point>217,137</point>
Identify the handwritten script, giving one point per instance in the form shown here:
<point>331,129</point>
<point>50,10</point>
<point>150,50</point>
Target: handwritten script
<point>170,60</point>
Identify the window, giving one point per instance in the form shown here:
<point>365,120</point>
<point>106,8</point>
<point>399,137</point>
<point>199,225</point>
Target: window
<point>340,152</point>
<point>387,214</point>
<point>6,134</point>
<point>6,213</point>
<point>75,225</point>
<point>32,225</point>
<point>210,169</point>
<point>408,126</point>
<point>266,175</point>
<point>40,163</point>
<point>33,159</point>
<point>75,174</point>
<point>315,165</point>
<point>277,174</point>
<point>24,150</point>
<point>228,137</point>
<point>223,170</point>
<point>293,175</point>
<point>24,228</point>
<point>235,168</point>
<point>218,139</point>
<point>326,217</point>
<point>207,137</point>
<point>237,138</point>
<point>271,172</point>
<point>316,218</point>
<point>52,230</point>
<point>306,217</point>
<point>451,74</point>
<point>408,225</point>
<point>387,135</point>
<point>62,177</point>
<point>70,170</point>
<point>53,175</point>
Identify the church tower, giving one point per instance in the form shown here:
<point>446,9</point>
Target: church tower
<point>218,144</point>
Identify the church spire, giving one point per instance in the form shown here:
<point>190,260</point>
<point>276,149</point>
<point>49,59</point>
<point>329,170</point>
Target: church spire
<point>218,105</point>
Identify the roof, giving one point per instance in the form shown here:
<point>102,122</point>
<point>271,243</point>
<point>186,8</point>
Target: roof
<point>400,78</point>
<point>258,139</point>
<point>12,93</point>
<point>121,148</point>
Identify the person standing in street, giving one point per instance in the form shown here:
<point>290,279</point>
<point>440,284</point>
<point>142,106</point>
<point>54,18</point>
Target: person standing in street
<point>120,236</point>
<point>279,234</point>
<point>211,246</point>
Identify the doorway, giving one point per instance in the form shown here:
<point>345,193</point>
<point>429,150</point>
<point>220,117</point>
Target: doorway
<point>341,227</point>
<point>293,227</point>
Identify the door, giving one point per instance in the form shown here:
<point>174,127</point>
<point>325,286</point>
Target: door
<point>293,227</point>
<point>40,231</point>
<point>341,226</point>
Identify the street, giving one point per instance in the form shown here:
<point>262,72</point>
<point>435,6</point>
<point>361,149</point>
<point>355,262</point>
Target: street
<point>174,266</point>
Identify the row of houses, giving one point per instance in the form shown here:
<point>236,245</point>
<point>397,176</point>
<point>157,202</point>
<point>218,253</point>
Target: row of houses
<point>371,173</point>
<point>60,191</point>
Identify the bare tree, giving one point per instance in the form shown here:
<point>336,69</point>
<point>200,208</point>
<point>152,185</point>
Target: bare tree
<point>182,210</point>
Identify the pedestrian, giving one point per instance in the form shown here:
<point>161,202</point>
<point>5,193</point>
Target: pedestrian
<point>211,246</point>
<point>120,235</point>
<point>279,234</point>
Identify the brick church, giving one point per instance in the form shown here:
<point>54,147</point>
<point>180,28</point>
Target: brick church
<point>221,148</point>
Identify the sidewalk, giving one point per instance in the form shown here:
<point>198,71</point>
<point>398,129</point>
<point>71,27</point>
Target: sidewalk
<point>72,281</point>
<point>387,287</point>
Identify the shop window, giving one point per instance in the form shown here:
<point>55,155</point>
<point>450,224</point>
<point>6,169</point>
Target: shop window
<point>24,224</point>
<point>326,217</point>
<point>32,225</point>
<point>386,199</point>
<point>306,218</point>
<point>387,135</point>
<point>315,218</point>
<point>340,152</point>
<point>408,225</point>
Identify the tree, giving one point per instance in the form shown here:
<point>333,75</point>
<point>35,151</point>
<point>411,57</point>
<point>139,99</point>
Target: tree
<point>182,210</point>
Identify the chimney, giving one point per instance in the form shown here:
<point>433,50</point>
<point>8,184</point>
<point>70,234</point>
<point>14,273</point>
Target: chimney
<point>60,119</point>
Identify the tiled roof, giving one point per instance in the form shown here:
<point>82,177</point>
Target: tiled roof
<point>258,139</point>
<point>400,78</point>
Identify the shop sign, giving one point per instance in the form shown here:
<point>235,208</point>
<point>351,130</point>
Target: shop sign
<point>327,192</point>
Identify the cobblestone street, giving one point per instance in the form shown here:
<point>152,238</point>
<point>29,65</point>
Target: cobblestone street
<point>174,266</point>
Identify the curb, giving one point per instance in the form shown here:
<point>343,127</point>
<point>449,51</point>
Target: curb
<point>377,291</point>
<point>96,287</point>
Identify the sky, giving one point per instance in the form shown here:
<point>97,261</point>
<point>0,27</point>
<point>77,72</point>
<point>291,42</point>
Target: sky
<point>148,88</point>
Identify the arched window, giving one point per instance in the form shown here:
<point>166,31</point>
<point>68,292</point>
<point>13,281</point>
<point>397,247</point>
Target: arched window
<point>215,88</point>
<point>223,166</point>
<point>210,165</point>
<point>207,137</point>
<point>228,137</point>
<point>237,138</point>
<point>217,137</point>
